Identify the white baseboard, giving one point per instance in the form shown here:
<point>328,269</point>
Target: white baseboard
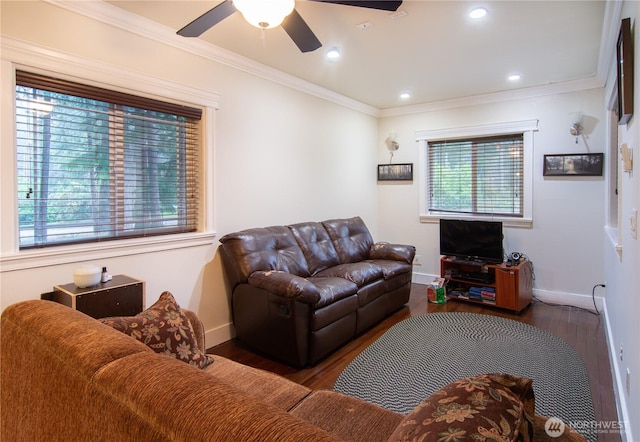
<point>618,382</point>
<point>218,335</point>
<point>573,299</point>
<point>548,296</point>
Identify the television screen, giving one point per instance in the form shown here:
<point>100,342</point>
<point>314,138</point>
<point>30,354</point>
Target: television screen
<point>474,240</point>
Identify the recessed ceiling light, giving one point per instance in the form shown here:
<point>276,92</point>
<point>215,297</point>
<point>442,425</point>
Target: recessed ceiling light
<point>333,53</point>
<point>514,77</point>
<point>477,13</point>
<point>405,95</point>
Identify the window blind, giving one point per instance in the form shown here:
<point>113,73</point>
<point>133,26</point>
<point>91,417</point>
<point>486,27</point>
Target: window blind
<point>96,165</point>
<point>478,176</point>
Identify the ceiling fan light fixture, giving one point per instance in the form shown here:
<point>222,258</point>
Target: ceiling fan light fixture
<point>264,14</point>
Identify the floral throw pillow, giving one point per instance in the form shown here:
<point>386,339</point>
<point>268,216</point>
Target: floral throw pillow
<point>489,407</point>
<point>165,329</point>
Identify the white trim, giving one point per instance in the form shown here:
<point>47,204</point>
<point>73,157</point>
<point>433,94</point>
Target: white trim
<point>117,17</point>
<point>548,296</point>
<point>496,97</point>
<point>35,258</point>
<point>36,58</point>
<point>573,299</point>
<point>608,41</point>
<point>527,127</point>
<point>477,131</point>
<point>17,54</point>
<point>618,382</point>
<point>218,335</point>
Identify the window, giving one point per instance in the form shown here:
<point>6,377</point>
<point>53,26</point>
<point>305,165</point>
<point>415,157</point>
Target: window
<point>478,172</point>
<point>476,176</point>
<point>95,164</point>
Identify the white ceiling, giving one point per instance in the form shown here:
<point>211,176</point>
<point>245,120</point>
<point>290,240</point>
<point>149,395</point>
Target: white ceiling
<point>435,52</point>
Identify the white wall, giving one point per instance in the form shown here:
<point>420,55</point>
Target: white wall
<point>622,269</point>
<point>283,156</point>
<point>280,156</point>
<point>565,240</point>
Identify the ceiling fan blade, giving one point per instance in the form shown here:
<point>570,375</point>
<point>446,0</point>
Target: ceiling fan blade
<point>383,5</point>
<point>208,19</point>
<point>300,32</point>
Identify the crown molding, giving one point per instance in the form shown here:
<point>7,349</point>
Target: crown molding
<point>109,14</point>
<point>477,131</point>
<point>497,97</point>
<point>119,18</point>
<point>27,55</point>
<point>608,40</point>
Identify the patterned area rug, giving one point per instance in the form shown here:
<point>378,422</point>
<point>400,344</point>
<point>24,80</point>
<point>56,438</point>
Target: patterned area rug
<point>422,354</point>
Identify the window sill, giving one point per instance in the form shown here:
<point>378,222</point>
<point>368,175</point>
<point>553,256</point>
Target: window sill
<point>31,259</point>
<point>612,234</point>
<point>506,221</point>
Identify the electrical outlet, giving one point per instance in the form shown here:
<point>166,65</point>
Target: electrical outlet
<point>633,220</point>
<point>417,261</point>
<point>621,353</point>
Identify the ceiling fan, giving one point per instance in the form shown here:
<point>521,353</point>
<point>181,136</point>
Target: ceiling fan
<point>270,13</point>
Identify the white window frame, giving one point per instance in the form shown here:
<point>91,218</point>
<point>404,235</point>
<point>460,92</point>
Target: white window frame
<point>18,55</point>
<point>526,127</point>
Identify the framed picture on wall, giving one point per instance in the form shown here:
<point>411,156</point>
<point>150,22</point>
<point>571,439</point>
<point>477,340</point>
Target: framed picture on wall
<point>575,164</point>
<point>624,52</point>
<point>395,172</point>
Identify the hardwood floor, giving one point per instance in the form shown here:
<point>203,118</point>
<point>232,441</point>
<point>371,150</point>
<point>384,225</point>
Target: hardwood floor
<point>581,329</point>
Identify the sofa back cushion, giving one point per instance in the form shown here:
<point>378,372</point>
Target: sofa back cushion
<point>350,237</point>
<point>316,246</point>
<point>264,248</point>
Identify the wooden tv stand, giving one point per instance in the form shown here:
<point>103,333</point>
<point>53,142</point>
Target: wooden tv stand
<point>511,286</point>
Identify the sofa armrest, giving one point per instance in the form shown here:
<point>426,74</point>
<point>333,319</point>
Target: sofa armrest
<point>286,285</point>
<point>198,328</point>
<point>396,252</point>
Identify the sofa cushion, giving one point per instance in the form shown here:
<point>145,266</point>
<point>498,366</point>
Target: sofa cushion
<point>350,237</point>
<point>391,269</point>
<point>360,273</point>
<point>316,246</point>
<point>262,385</point>
<point>332,289</point>
<point>484,407</point>
<point>346,417</point>
<point>165,329</point>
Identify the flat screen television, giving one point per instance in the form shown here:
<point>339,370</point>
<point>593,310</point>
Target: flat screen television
<point>472,240</point>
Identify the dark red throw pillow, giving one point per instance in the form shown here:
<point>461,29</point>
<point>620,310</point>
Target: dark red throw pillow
<point>165,329</point>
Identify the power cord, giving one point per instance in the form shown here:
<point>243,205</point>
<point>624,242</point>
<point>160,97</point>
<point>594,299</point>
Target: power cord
<point>593,297</point>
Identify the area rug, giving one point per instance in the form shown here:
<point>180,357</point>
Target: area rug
<point>422,354</point>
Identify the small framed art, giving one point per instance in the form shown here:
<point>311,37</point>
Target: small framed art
<point>624,53</point>
<point>395,172</point>
<point>576,164</point>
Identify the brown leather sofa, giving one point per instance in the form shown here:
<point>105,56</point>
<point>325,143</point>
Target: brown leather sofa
<point>301,291</point>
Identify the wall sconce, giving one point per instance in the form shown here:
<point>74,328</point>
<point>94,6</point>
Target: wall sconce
<point>392,144</point>
<point>576,125</point>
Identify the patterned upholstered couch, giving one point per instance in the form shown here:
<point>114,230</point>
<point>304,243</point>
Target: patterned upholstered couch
<point>66,376</point>
<point>301,291</point>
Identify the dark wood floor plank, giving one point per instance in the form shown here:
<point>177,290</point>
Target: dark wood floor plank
<point>579,328</point>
